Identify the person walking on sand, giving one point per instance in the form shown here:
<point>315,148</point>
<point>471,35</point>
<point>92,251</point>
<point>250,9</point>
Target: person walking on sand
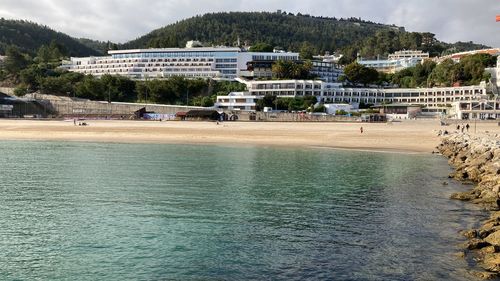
<point>361,129</point>
<point>467,127</point>
<point>74,121</point>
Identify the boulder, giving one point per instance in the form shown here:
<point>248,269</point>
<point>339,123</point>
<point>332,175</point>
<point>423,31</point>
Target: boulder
<point>475,244</point>
<point>463,196</point>
<point>491,262</point>
<point>484,275</point>
<point>493,238</point>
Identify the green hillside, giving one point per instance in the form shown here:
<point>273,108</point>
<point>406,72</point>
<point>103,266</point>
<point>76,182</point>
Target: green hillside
<point>350,36</point>
<point>29,37</point>
<point>285,30</point>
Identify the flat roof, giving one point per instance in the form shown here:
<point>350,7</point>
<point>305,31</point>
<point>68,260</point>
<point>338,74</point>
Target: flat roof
<point>166,50</point>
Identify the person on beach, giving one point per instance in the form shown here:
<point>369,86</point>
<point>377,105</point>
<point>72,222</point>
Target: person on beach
<point>467,127</point>
<point>74,122</point>
<point>361,129</point>
<point>463,127</point>
<point>458,127</point>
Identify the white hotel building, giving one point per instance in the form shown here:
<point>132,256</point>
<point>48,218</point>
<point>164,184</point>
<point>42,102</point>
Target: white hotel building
<point>432,100</point>
<point>218,63</point>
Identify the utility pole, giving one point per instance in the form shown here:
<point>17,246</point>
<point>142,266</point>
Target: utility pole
<point>187,97</point>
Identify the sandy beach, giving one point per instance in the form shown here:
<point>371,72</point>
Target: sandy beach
<point>408,136</point>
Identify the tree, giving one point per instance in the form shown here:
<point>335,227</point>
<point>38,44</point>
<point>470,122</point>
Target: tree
<point>261,48</point>
<point>307,51</point>
<point>291,70</point>
<point>357,73</point>
<point>15,61</point>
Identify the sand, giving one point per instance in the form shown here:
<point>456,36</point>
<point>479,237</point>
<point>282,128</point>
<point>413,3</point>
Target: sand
<point>407,136</point>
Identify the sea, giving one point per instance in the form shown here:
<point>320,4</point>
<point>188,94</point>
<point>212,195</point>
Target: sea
<point>108,211</point>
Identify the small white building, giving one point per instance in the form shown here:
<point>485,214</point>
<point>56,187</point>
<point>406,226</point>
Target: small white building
<point>237,101</point>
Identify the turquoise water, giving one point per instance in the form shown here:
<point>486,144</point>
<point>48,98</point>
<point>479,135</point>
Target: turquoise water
<point>84,211</point>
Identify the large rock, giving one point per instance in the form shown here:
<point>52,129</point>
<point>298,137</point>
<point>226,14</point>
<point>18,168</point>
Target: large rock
<point>491,262</point>
<point>463,196</point>
<point>484,275</point>
<point>493,238</point>
<point>475,244</point>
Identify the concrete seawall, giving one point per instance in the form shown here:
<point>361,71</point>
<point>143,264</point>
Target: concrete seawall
<point>84,107</point>
<point>476,159</point>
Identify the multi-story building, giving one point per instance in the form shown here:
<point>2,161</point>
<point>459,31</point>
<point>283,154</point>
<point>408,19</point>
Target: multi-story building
<point>456,57</point>
<point>327,71</point>
<point>406,54</point>
<point>390,66</point>
<point>432,100</point>
<point>236,101</point>
<point>396,62</point>
<point>218,63</point>
<point>476,109</point>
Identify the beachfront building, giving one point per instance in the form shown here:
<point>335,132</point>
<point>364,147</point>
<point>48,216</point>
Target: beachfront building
<point>237,101</point>
<point>476,109</point>
<point>433,101</point>
<point>223,63</point>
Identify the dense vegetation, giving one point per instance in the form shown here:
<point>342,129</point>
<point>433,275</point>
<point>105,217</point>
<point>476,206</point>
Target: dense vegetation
<point>388,41</point>
<point>29,37</point>
<point>291,70</point>
<point>469,71</point>
<point>285,30</point>
<point>306,34</point>
<point>288,104</point>
<point>301,33</point>
<point>42,74</point>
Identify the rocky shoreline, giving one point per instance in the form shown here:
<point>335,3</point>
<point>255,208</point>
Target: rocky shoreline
<point>476,160</point>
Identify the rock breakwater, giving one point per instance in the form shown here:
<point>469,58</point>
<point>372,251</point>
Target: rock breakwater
<point>476,160</point>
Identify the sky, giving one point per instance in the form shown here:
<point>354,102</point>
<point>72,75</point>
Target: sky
<point>123,20</point>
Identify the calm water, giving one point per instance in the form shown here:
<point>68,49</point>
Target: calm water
<point>83,211</point>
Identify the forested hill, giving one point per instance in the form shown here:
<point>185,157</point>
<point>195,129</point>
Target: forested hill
<point>29,37</point>
<point>349,36</point>
<point>285,30</point>
<point>299,33</point>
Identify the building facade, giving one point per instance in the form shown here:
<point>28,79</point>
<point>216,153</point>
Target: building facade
<point>476,109</point>
<point>407,54</point>
<point>142,64</point>
<point>237,101</point>
<point>390,66</point>
<point>432,100</point>
<point>327,71</point>
<point>396,61</point>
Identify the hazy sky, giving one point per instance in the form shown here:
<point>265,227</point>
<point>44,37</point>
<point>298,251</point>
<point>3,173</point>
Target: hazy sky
<point>123,20</point>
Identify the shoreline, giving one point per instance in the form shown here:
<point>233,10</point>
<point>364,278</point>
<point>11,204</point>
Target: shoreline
<point>398,137</point>
<point>476,160</point>
<point>409,137</point>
